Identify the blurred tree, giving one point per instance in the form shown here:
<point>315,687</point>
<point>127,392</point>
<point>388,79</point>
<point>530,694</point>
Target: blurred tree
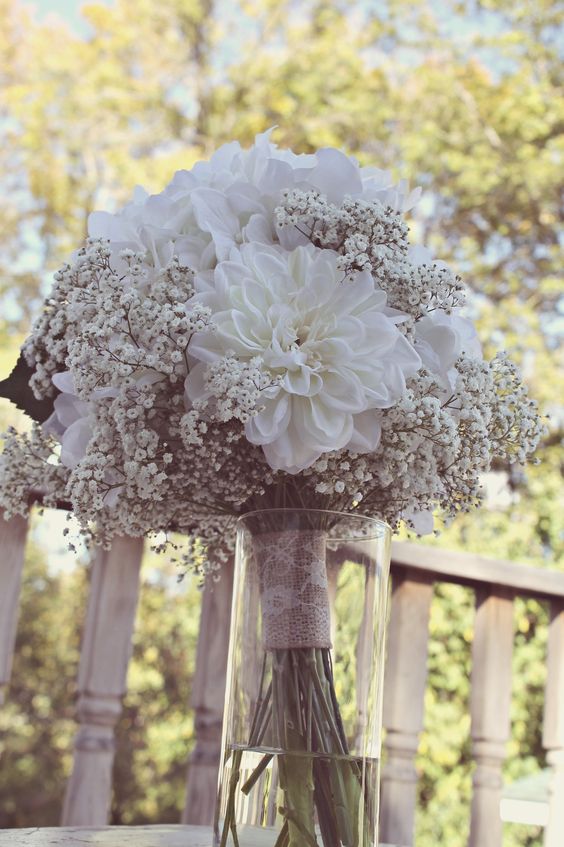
<point>85,120</point>
<point>37,721</point>
<point>37,724</point>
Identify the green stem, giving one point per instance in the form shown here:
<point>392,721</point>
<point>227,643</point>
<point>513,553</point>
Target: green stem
<point>263,717</point>
<point>294,819</point>
<point>295,768</point>
<point>323,799</point>
<point>309,713</point>
<point>300,707</point>
<point>234,833</point>
<point>283,836</point>
<point>229,822</point>
<point>260,768</point>
<point>259,702</point>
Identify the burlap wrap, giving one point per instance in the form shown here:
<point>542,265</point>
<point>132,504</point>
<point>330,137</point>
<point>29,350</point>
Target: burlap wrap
<point>293,589</point>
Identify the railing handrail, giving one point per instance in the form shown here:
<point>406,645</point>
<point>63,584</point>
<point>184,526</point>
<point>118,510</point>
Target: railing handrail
<point>471,569</point>
<point>474,570</point>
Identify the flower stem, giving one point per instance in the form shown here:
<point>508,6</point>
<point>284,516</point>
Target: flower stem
<point>301,713</point>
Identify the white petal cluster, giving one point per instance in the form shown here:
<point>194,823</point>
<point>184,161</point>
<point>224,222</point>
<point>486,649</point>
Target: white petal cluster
<point>261,333</point>
<point>332,348</point>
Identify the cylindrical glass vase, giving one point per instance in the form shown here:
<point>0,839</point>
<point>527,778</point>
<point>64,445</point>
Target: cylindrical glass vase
<point>302,723</point>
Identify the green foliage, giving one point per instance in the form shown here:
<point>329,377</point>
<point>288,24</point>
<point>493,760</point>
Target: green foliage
<point>463,98</point>
<point>37,724</point>
<point>444,754</point>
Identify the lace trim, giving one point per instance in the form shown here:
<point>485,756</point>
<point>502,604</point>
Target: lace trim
<point>293,588</point>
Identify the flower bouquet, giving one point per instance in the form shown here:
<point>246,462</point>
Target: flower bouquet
<point>262,336</point>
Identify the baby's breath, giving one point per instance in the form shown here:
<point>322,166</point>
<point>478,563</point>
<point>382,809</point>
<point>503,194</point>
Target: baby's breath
<point>149,438</point>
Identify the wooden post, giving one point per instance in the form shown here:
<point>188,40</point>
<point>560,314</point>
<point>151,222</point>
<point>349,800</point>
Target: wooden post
<point>207,699</point>
<point>106,649</point>
<point>12,547</point>
<point>333,571</point>
<point>367,660</point>
<point>490,710</point>
<point>404,690</point>
<point>553,730</point>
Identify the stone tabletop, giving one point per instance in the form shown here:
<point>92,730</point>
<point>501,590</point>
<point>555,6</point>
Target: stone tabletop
<point>108,836</point>
<point>117,836</point>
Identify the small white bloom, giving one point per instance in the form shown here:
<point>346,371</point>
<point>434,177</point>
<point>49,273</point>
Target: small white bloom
<point>440,339</point>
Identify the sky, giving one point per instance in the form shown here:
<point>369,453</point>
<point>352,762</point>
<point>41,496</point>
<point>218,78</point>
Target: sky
<point>66,10</point>
<point>462,28</point>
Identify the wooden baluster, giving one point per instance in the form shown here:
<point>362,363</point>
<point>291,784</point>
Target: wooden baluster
<point>490,710</point>
<point>553,731</point>
<point>404,690</point>
<point>207,699</point>
<point>333,570</point>
<point>12,547</point>
<point>365,658</point>
<point>106,649</point>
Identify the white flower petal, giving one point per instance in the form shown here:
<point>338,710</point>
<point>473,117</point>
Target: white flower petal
<point>423,522</point>
<point>74,442</point>
<point>289,454</point>
<point>53,426</point>
<point>259,229</point>
<point>366,434</point>
<point>214,215</point>
<point>64,381</point>
<point>195,387</point>
<point>335,175</point>
<point>69,408</point>
<point>270,424</point>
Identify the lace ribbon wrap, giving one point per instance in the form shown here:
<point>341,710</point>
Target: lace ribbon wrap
<point>293,589</point>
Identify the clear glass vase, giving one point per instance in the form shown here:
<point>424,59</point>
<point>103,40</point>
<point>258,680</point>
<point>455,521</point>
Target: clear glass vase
<point>302,723</point>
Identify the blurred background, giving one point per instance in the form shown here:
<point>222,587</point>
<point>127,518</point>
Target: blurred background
<point>463,98</point>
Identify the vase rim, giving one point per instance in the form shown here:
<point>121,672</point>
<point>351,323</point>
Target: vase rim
<point>382,528</point>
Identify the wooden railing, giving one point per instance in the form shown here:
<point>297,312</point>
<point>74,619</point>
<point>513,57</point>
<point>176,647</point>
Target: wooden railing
<point>107,645</point>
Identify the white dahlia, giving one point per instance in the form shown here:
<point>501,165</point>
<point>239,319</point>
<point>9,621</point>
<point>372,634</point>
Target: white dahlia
<point>333,345</point>
<point>202,213</point>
